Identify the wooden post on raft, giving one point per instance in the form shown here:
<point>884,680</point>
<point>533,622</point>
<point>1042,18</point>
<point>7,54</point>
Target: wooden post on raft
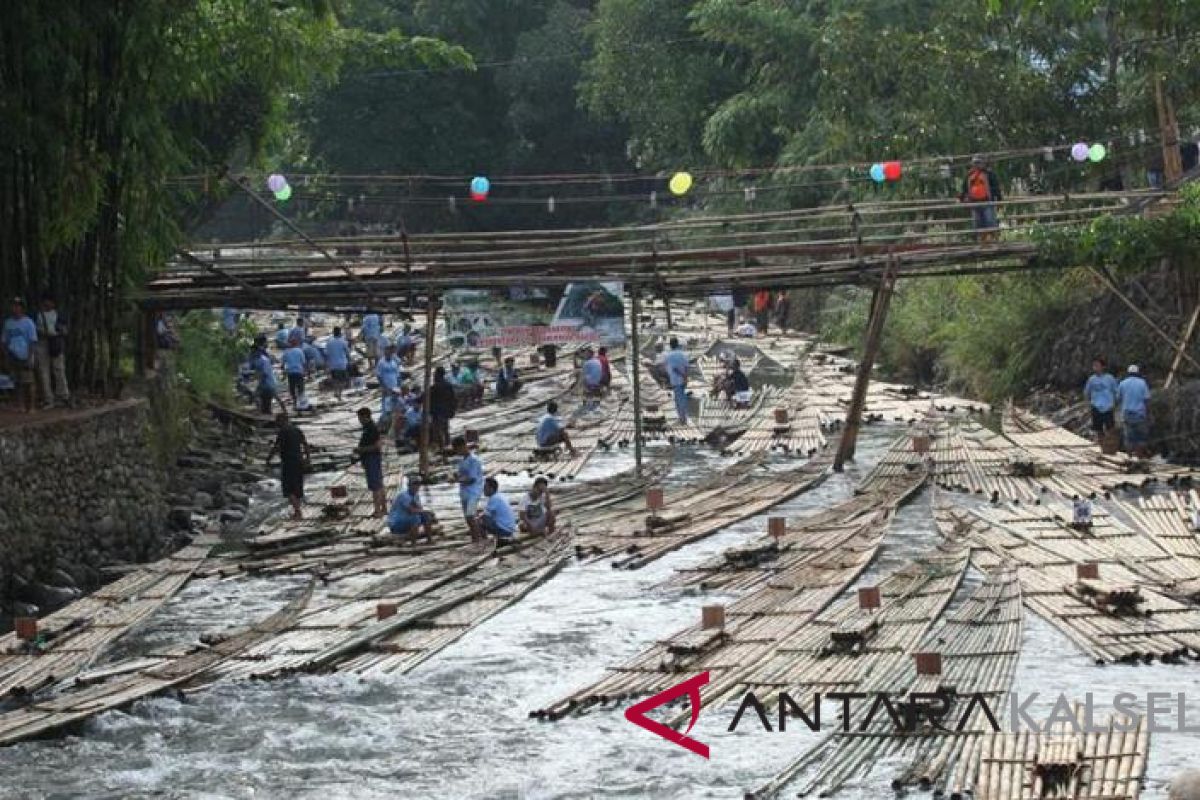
<point>879,308</point>
<point>636,370</point>
<point>431,301</point>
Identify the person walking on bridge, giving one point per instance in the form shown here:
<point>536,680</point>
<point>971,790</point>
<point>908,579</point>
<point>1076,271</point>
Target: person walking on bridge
<point>1133,398</point>
<point>981,188</point>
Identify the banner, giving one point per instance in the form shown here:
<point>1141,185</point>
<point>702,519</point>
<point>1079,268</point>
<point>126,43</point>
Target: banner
<point>582,313</point>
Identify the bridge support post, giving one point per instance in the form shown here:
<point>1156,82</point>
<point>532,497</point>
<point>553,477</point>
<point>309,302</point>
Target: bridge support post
<point>635,370</point>
<point>431,302</point>
<point>879,308</point>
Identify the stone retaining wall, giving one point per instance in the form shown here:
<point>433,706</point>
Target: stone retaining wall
<point>76,492</point>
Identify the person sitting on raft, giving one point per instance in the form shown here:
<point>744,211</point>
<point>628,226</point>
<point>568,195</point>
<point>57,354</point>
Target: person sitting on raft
<point>551,432</point>
<point>536,511</point>
<point>498,518</point>
<point>508,383</point>
<point>739,385</point>
<point>407,517</point>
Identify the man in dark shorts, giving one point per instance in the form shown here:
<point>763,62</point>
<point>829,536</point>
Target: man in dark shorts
<point>443,403</point>
<point>294,456</point>
<point>370,453</point>
<point>337,359</point>
<point>1101,393</point>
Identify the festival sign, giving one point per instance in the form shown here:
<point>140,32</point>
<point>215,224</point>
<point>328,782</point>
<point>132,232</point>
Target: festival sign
<point>587,312</point>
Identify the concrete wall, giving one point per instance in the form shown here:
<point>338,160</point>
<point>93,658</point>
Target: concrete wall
<point>77,491</point>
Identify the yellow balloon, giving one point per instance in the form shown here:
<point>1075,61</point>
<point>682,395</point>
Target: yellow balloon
<point>680,183</point>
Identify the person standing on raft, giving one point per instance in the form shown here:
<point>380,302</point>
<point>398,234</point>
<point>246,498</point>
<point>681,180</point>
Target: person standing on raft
<point>370,453</point>
<point>294,457</point>
<point>1133,397</point>
<point>1101,393</point>
<point>469,475</point>
<point>676,365</point>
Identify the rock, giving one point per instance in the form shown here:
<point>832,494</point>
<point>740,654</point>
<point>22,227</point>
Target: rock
<point>232,515</point>
<point>52,597</point>
<point>237,498</point>
<point>63,578</point>
<point>1185,786</point>
<point>202,500</point>
<point>180,518</point>
<point>20,609</point>
<point>106,525</point>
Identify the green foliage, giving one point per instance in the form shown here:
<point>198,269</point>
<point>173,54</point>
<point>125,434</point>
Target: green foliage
<point>207,356</point>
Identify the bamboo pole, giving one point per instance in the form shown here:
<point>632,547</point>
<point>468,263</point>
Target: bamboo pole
<point>879,308</point>
<point>1183,343</point>
<point>1141,315</point>
<point>635,368</point>
<point>430,322</point>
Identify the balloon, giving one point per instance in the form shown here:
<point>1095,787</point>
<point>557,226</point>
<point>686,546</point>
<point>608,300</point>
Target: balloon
<point>891,170</point>
<point>479,197</point>
<point>284,194</point>
<point>276,182</point>
<point>1097,152</point>
<point>480,185</point>
<point>680,183</point>
<point>877,173</point>
<point>1079,151</point>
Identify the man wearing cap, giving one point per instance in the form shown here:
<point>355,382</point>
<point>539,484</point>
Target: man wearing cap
<point>1133,399</point>
<point>20,339</point>
<point>981,188</point>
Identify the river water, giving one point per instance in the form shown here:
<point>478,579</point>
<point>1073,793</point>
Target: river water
<point>458,726</point>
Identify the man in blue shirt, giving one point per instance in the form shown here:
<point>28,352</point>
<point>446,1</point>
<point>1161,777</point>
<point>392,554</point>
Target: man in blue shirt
<point>593,380</point>
<point>229,320</point>
<point>260,362</point>
<point>1101,392</point>
<point>337,358</point>
<point>676,365</point>
<point>20,336</point>
<point>406,346</point>
<point>551,432</point>
<point>388,370</point>
<point>1133,397</point>
<point>297,332</point>
<point>469,475</point>
<point>282,335</point>
<point>498,517</point>
<point>407,516</point>
<point>294,366</point>
<point>372,326</point>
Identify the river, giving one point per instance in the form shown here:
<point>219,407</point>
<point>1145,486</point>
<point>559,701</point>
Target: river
<point>458,726</point>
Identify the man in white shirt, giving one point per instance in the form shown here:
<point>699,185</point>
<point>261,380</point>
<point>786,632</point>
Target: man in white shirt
<point>535,508</point>
<point>51,346</point>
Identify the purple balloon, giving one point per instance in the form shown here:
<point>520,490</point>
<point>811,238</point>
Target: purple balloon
<point>276,182</point>
<point>1079,151</point>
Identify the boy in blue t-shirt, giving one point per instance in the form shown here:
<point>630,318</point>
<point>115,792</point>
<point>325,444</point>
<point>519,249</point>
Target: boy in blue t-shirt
<point>469,475</point>
<point>498,517</point>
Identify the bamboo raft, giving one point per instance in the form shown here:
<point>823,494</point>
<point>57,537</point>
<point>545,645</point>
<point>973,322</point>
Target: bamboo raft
<point>44,717</point>
<point>977,646</point>
<point>78,634</point>
<point>808,576</point>
<point>1056,764</point>
<point>1048,567</point>
<point>624,534</point>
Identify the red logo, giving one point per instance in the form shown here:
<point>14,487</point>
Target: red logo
<point>691,687</point>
